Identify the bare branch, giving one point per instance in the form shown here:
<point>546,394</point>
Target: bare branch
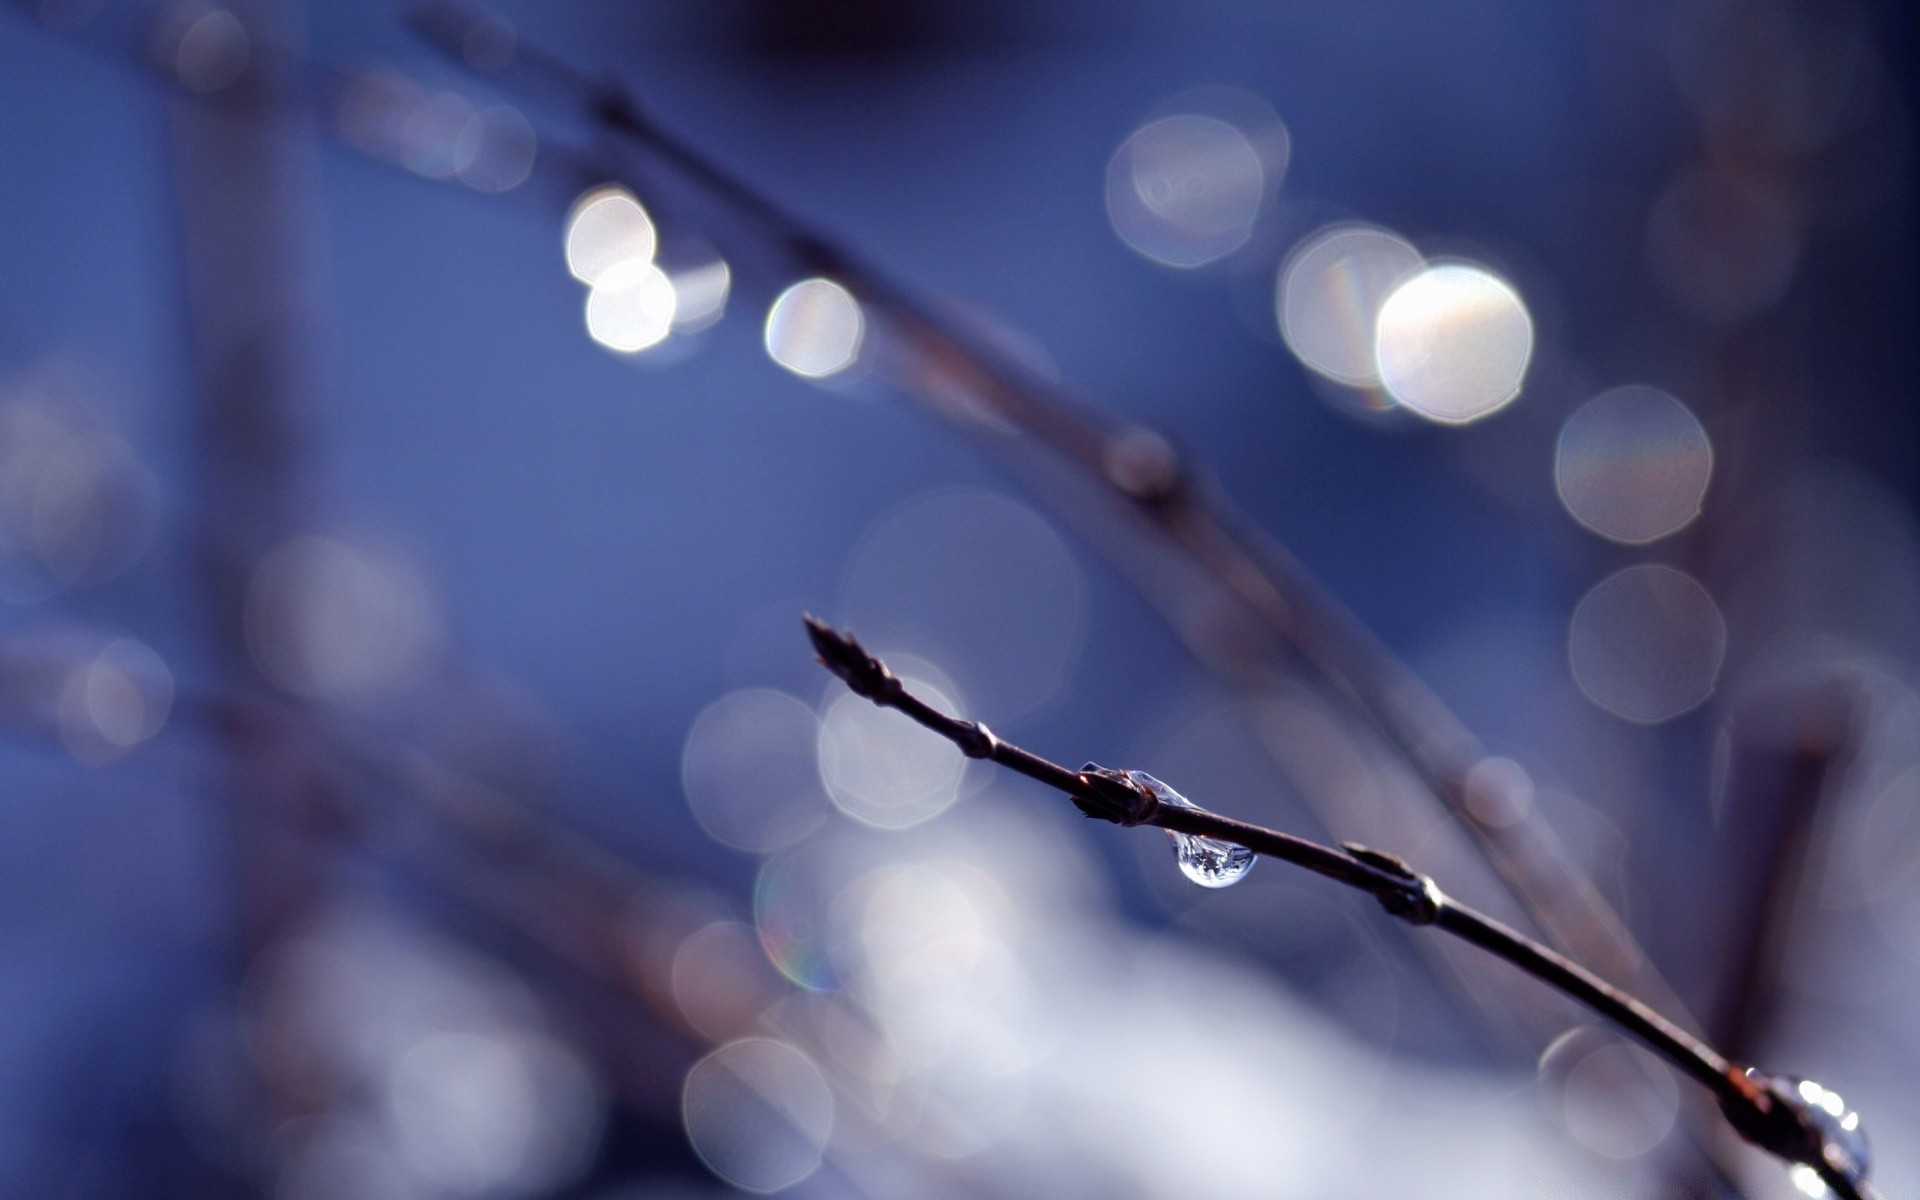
<point>1761,1109</point>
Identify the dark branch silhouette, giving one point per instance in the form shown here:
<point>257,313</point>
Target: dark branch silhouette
<point>1768,1112</point>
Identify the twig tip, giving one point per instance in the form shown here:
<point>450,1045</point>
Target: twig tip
<point>841,653</point>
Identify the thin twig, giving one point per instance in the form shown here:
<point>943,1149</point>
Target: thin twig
<point>1763,1115</point>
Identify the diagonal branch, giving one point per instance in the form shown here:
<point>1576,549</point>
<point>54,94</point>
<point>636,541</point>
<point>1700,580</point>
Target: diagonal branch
<point>1033,426</point>
<point>1766,1111</point>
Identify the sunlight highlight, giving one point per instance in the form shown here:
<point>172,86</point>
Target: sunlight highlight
<point>1329,295</point>
<point>608,229</point>
<point>1453,343</point>
<point>815,329</point>
<point>631,307</point>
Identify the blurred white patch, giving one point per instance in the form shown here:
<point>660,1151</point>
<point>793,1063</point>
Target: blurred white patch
<point>631,307</point>
<point>1186,188</point>
<point>76,506</point>
<point>700,295</point>
<point>486,1112</point>
<point>329,618</point>
<point>883,769</point>
<point>435,1063</point>
<point>433,140</point>
<point>751,771</point>
<point>497,148</point>
<point>758,1113</point>
<point>1499,793</point>
<point>113,701</point>
<point>440,135</point>
<point>815,329</point>
<point>608,228</point>
<point>720,980</point>
<point>1329,294</point>
<point>1452,343</point>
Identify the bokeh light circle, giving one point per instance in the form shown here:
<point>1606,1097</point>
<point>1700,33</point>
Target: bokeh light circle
<point>1498,793</point>
<point>213,50</point>
<point>327,617</point>
<point>1328,296</point>
<point>719,979</point>
<point>1724,248</point>
<point>607,228</point>
<point>1185,190</point>
<point>631,307</point>
<point>793,897</point>
<point>500,148</point>
<point>76,505</point>
<point>113,701</point>
<point>883,769</point>
<point>1632,464</point>
<point>815,329</point>
<point>434,137</point>
<point>477,1112</point>
<point>700,295</point>
<point>977,582</point>
<point>1612,1097</point>
<point>1647,643</point>
<point>1453,342</point>
<point>758,1113</point>
<point>750,772</point>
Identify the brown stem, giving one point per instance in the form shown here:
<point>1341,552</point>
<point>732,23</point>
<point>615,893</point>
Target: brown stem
<point>1114,796</point>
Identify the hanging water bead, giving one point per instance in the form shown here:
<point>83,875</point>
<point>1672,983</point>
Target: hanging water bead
<point>1209,862</point>
<point>1844,1142</point>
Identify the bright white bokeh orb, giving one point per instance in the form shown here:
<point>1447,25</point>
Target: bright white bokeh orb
<point>631,308</point>
<point>1453,342</point>
<point>1329,294</point>
<point>608,228</point>
<point>815,329</point>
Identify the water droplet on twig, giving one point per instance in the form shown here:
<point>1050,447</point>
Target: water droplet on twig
<point>1209,862</point>
<point>1843,1141</point>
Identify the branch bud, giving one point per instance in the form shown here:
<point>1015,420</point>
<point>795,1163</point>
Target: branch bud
<point>1114,796</point>
<point>842,654</point>
<point>1414,898</point>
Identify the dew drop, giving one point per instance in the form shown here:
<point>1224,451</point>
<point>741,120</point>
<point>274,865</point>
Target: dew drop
<point>1209,862</point>
<point>1843,1140</point>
